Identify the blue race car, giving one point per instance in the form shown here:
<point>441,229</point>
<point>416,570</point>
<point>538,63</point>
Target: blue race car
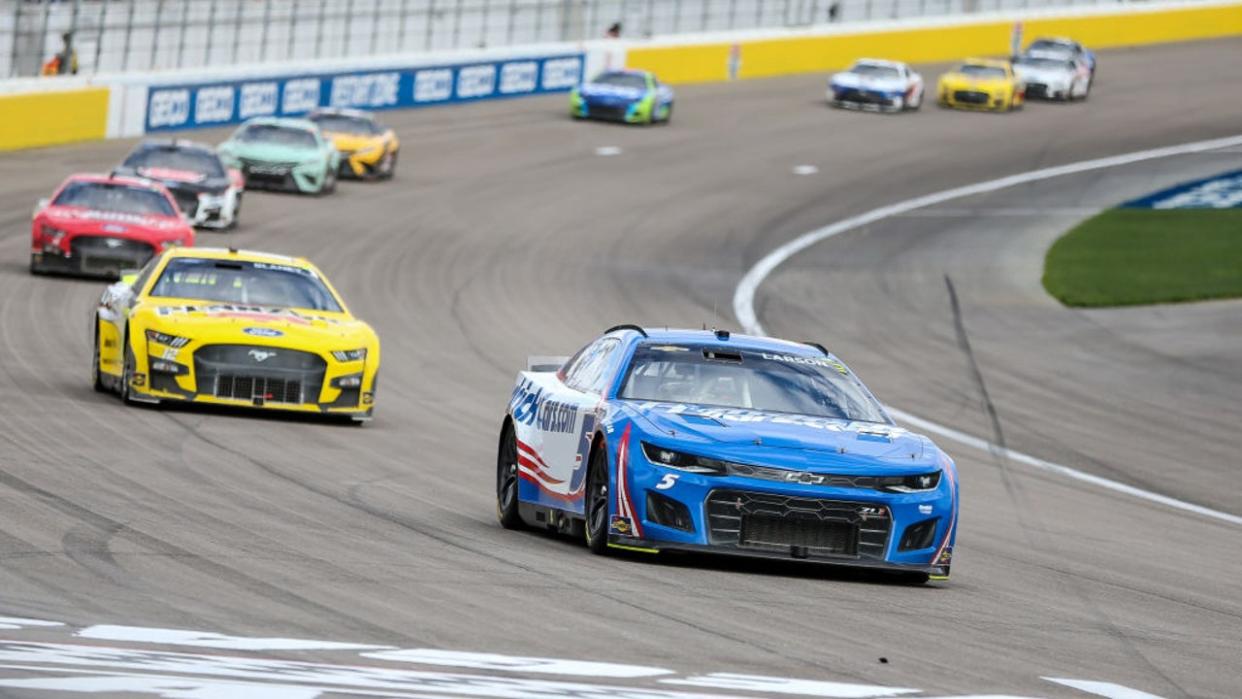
<point>631,96</point>
<point>681,440</point>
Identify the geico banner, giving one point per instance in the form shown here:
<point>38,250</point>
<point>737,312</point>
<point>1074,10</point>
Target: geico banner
<point>193,106</point>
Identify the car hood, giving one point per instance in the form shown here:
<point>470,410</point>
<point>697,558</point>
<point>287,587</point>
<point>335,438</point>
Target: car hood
<point>256,325</point>
<point>968,81</point>
<point>611,92</point>
<point>782,439</point>
<point>272,152</point>
<point>857,81</point>
<point>1043,75</point>
<point>73,219</point>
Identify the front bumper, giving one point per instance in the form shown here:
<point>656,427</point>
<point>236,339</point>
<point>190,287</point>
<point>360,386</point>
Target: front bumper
<point>284,177</point>
<point>870,100</point>
<point>361,164</point>
<point>636,112</point>
<point>756,517</point>
<point>981,100</point>
<point>255,376</point>
<point>92,256</point>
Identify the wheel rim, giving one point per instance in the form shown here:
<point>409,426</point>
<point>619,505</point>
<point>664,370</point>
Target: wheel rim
<point>599,498</point>
<point>506,475</point>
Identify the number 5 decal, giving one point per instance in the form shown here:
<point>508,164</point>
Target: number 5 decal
<point>669,480</point>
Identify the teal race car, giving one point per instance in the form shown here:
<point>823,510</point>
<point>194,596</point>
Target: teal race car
<point>629,96</point>
<point>291,155</point>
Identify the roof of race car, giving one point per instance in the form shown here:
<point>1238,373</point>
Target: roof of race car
<point>879,62</point>
<point>341,111</point>
<point>676,336</point>
<point>287,122</point>
<point>98,178</point>
<point>241,255</point>
<point>623,71</point>
<point>172,144</point>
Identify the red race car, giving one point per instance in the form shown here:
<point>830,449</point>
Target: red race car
<point>96,225</point>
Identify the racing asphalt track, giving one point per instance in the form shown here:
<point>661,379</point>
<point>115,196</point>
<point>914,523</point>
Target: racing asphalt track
<point>505,235</point>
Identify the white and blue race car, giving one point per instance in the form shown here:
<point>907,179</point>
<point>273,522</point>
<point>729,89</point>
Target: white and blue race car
<point>886,86</point>
<point>703,441</point>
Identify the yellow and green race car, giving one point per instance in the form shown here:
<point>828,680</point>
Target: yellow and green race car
<point>234,328</point>
<point>367,148</point>
<point>982,83</point>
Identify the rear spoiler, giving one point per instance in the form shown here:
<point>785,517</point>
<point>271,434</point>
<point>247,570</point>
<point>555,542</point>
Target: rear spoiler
<point>545,364</point>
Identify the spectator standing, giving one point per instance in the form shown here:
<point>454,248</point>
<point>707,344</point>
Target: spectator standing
<point>66,61</point>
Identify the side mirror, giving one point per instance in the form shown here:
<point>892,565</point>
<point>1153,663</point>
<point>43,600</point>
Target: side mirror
<point>129,276</point>
<point>42,204</point>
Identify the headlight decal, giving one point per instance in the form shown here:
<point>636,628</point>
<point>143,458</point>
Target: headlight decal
<point>353,355</point>
<point>166,339</point>
<point>690,463</point>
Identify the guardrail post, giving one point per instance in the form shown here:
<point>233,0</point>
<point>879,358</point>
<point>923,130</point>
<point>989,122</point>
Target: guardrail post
<point>457,24</point>
<point>483,19</point>
<point>707,15</point>
<point>375,25</point>
<point>237,29</point>
<point>293,28</point>
<point>732,13</point>
<point>211,32</point>
<point>17,19</point>
<point>47,15</point>
<point>103,28</point>
<point>512,20</point>
<point>185,23</point>
<point>405,18</point>
<point>267,21</point>
<point>323,9</point>
<point>649,20</point>
<point>349,28</point>
<point>129,33</point>
<point>155,32</point>
<point>431,23</point>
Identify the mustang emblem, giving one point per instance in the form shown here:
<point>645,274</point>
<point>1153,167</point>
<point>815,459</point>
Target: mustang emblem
<point>261,355</point>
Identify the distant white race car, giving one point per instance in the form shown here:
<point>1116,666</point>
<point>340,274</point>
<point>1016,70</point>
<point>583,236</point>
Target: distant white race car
<point>1052,76</point>
<point>886,86</point>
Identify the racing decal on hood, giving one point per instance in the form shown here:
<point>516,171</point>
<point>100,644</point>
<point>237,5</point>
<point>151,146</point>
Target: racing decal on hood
<point>748,416</point>
<point>255,313</point>
<point>118,217</point>
<point>172,174</point>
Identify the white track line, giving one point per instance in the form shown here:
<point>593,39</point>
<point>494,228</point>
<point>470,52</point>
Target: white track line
<point>744,296</point>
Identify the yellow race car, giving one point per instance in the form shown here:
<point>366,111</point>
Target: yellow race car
<point>981,83</point>
<point>235,328</point>
<point>368,150</point>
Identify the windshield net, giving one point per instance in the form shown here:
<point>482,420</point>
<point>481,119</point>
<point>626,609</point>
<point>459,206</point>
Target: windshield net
<point>633,81</point>
<point>278,135</point>
<point>982,72</point>
<point>341,123</point>
<point>116,197</point>
<point>246,283</point>
<point>870,70</point>
<point>203,162</point>
<point>767,381</point>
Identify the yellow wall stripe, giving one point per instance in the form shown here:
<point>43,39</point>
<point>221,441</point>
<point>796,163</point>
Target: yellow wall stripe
<point>803,54</point>
<point>35,119</point>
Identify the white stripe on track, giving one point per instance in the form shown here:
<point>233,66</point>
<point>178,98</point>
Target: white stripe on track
<point>744,296</point>
<point>1103,689</point>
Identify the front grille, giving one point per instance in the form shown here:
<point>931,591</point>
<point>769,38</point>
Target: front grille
<point>603,111</point>
<point>102,254</point>
<point>798,526</point>
<point>861,96</point>
<point>782,475</point>
<point>261,173</point>
<point>267,389</point>
<point>186,201</point>
<point>259,374</point>
<point>970,97</point>
<point>1036,90</point>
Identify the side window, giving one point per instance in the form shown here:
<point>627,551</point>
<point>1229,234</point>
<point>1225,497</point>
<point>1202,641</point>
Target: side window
<point>144,274</point>
<point>588,373</point>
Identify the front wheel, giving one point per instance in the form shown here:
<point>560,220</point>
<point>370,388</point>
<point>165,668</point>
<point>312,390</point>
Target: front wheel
<point>96,376</point>
<point>329,182</point>
<point>388,166</point>
<point>127,374</point>
<point>507,481</point>
<point>597,502</point>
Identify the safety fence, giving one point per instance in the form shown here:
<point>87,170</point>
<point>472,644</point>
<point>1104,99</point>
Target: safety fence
<point>147,35</point>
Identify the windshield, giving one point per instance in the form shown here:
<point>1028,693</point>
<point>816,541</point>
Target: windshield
<point>870,70</point>
<point>1051,46</point>
<point>277,135</point>
<point>202,162</point>
<point>633,81</point>
<point>115,196</point>
<point>247,283</point>
<point>765,381</point>
<point>1046,63</point>
<point>340,123</point>
<point>982,72</point>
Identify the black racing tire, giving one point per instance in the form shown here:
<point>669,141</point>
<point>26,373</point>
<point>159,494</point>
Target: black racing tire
<point>96,374</point>
<point>597,496</point>
<point>35,269</point>
<point>127,373</point>
<point>329,183</point>
<point>391,171</point>
<point>237,209</point>
<point>507,480</point>
<point>668,116</point>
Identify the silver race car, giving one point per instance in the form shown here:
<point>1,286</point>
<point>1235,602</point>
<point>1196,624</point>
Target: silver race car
<point>1053,76</point>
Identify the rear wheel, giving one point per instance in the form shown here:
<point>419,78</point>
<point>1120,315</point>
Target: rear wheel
<point>597,502</point>
<point>34,266</point>
<point>507,481</point>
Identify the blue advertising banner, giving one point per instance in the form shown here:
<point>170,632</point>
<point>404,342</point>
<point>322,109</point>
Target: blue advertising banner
<point>1223,191</point>
<point>192,106</point>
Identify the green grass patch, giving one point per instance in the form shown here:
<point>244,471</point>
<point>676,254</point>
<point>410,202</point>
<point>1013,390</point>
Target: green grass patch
<point>1128,257</point>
